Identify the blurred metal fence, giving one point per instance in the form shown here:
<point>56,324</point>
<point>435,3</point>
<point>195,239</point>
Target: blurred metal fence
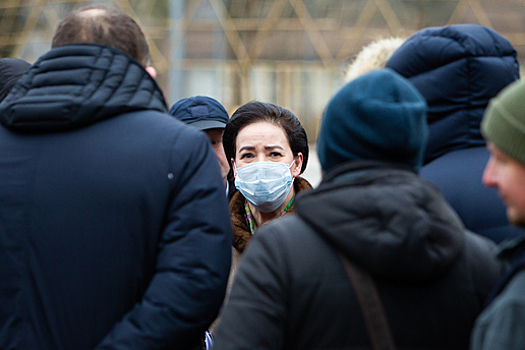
<point>290,52</point>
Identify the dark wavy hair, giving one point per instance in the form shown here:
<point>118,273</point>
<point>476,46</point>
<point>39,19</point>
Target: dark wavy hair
<point>256,111</point>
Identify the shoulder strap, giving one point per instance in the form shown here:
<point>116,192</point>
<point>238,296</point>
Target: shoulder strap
<point>371,306</point>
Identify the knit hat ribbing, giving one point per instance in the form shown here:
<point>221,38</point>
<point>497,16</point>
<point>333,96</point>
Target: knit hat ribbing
<point>378,116</point>
<point>504,121</point>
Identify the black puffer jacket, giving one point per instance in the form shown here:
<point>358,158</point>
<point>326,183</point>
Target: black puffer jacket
<point>291,290</point>
<point>114,227</point>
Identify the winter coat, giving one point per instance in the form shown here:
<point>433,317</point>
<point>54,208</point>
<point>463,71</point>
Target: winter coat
<point>292,292</point>
<point>114,224</point>
<point>500,325</point>
<point>458,69</point>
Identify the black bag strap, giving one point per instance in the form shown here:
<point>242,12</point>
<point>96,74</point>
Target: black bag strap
<point>371,306</point>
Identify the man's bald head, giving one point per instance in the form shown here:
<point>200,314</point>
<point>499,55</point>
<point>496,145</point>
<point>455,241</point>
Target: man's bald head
<point>103,26</point>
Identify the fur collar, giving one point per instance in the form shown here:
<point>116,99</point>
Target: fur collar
<point>241,231</point>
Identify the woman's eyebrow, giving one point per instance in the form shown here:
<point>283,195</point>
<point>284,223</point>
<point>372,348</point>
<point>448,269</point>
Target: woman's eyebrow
<point>272,147</point>
<point>248,148</point>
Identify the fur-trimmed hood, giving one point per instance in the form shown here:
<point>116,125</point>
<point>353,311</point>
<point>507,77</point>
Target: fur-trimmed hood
<point>373,56</point>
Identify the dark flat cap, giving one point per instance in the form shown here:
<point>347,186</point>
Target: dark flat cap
<point>201,112</point>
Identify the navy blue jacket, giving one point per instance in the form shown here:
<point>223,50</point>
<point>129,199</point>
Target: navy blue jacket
<point>458,69</point>
<point>114,227</point>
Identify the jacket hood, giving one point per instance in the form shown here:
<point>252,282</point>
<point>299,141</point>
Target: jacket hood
<point>11,69</point>
<point>457,69</point>
<point>72,86</point>
<point>389,220</point>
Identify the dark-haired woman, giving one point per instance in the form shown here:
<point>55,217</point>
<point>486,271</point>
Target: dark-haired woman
<point>267,149</point>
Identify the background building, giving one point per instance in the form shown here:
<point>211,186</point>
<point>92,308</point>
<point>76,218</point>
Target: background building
<point>290,52</point>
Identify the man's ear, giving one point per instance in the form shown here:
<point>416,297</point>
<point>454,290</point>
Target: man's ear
<point>152,71</point>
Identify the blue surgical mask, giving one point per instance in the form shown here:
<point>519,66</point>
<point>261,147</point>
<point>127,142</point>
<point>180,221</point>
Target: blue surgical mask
<point>264,184</point>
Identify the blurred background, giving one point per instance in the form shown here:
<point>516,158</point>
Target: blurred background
<point>289,52</point>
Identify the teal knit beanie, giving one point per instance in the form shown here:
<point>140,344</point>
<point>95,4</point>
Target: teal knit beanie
<point>378,116</point>
<point>504,121</point>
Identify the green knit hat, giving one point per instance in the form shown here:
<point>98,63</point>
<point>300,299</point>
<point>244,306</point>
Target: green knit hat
<point>504,121</point>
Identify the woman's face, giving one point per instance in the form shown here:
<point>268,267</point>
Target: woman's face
<point>265,142</point>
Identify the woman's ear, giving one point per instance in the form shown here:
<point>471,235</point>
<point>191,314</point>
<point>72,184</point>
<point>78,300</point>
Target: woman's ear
<point>297,165</point>
<point>233,168</point>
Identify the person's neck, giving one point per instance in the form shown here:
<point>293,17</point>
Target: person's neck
<point>262,218</point>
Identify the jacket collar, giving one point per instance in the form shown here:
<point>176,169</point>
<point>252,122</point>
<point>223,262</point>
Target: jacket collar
<point>356,168</point>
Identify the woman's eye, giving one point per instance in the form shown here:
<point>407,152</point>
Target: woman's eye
<point>275,154</point>
<point>246,156</point>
